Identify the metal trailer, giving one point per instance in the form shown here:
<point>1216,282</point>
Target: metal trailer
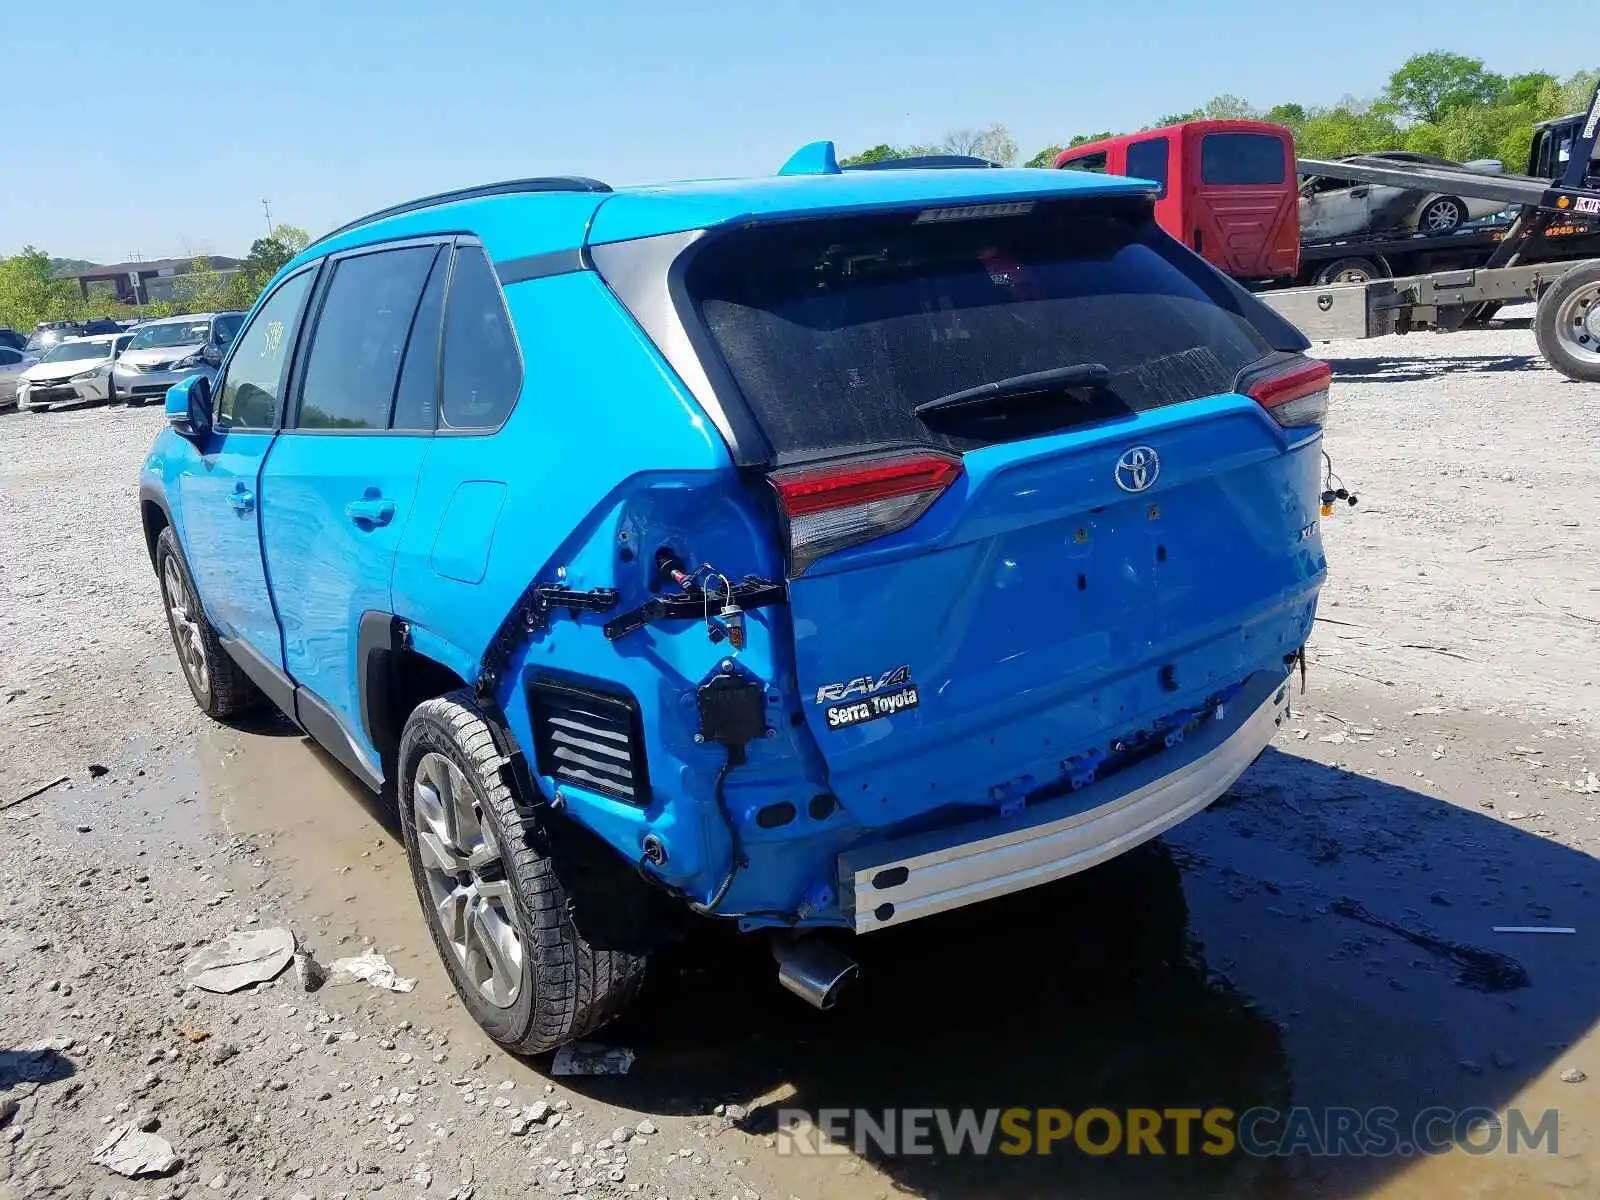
<point>1567,322</point>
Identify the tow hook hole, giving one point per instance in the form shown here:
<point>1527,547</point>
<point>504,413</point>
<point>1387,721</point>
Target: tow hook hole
<point>891,878</point>
<point>626,554</point>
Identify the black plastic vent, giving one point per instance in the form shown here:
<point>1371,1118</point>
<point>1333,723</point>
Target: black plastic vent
<point>589,738</point>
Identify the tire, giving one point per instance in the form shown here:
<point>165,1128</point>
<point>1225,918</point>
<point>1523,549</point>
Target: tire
<point>1562,326</point>
<point>1351,270</point>
<point>219,687</point>
<point>546,985</point>
<point>1444,215</point>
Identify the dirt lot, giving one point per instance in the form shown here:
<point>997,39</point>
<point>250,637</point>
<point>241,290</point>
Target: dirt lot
<point>1323,936</point>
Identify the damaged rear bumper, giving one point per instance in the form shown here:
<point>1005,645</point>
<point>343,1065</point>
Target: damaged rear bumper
<point>890,883</point>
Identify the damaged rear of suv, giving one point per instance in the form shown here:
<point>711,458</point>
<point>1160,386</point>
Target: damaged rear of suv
<point>855,547</point>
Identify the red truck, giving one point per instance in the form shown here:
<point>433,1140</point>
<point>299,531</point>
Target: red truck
<point>1228,190</point>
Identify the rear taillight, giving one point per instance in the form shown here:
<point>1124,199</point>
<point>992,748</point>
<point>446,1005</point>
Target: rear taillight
<point>1295,395</point>
<point>830,506</point>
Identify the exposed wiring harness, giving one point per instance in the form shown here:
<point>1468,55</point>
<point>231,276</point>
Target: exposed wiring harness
<point>736,853</point>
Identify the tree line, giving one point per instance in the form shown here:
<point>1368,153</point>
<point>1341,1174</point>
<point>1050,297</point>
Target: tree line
<point>1439,103</point>
<point>30,291</point>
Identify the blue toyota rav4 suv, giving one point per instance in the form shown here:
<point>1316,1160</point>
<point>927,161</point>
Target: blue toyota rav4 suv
<point>822,551</point>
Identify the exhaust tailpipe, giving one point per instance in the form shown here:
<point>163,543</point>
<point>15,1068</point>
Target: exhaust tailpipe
<point>812,969</point>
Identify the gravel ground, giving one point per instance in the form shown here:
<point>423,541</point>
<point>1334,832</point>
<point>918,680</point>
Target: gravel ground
<point>1441,764</point>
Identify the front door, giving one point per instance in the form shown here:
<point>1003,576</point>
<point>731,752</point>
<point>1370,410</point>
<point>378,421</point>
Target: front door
<point>340,482</point>
<point>219,511</point>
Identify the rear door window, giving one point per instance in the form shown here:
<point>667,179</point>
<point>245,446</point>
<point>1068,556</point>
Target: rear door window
<point>834,331</point>
<point>1241,158</point>
<point>1148,160</point>
<point>360,336</point>
<point>482,369</point>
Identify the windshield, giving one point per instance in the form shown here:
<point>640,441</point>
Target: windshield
<point>72,351</point>
<point>836,330</point>
<point>43,340</point>
<point>173,333</point>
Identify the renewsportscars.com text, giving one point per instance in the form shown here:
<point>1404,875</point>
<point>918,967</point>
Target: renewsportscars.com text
<point>1258,1132</point>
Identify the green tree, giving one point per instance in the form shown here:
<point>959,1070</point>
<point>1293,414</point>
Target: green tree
<point>873,154</point>
<point>1229,108</point>
<point>1177,118</point>
<point>1429,85</point>
<point>1291,115</point>
<point>202,289</point>
<point>1045,157</point>
<point>30,292</point>
<point>291,237</point>
<point>1083,139</point>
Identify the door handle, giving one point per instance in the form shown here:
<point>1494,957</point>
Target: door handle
<point>370,513</point>
<point>242,499</point>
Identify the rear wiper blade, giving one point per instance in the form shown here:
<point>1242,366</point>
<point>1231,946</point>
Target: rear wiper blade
<point>1057,379</point>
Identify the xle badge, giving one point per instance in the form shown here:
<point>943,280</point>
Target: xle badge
<point>868,697</point>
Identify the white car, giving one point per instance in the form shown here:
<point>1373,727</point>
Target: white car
<point>77,371</point>
<point>12,364</point>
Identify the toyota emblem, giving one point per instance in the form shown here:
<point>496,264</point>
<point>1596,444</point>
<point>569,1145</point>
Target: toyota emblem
<point>1137,469</point>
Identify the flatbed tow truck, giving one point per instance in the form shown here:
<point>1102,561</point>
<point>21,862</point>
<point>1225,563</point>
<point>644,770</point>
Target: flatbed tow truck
<point>1567,321</point>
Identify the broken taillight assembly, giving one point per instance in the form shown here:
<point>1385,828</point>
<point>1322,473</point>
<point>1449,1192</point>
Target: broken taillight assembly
<point>831,506</point>
<point>1296,393</point>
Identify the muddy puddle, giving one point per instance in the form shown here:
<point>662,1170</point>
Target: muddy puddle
<point>1301,944</point>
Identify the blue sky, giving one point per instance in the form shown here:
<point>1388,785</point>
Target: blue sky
<point>158,129</point>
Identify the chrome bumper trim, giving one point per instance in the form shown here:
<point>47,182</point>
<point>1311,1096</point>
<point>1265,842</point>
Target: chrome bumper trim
<point>949,868</point>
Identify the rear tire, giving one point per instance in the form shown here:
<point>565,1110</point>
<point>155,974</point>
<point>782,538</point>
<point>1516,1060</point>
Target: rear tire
<point>219,687</point>
<point>1351,270</point>
<point>1566,324</point>
<point>497,907</point>
<point>1444,215</point>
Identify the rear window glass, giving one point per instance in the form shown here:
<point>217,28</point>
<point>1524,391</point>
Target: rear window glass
<point>1241,158</point>
<point>1148,160</point>
<point>834,331</point>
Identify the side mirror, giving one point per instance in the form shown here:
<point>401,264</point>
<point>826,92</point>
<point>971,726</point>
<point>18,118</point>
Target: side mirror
<point>212,354</point>
<point>189,407</point>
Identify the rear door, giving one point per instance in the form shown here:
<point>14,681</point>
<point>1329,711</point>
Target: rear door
<point>976,585</point>
<point>339,484</point>
<point>1244,213</point>
<point>218,511</point>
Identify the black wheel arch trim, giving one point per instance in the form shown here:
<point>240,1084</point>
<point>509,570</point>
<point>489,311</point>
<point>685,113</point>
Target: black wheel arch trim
<point>380,637</point>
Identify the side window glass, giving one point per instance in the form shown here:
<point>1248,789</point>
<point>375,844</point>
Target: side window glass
<point>482,369</point>
<point>251,394</point>
<point>416,399</point>
<point>359,338</point>
<point>225,328</point>
<point>1089,162</point>
<point>1148,160</point>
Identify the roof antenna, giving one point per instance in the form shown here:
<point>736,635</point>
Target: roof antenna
<point>814,158</point>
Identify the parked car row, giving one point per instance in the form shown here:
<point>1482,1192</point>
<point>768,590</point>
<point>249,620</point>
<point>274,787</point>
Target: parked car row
<point>110,365</point>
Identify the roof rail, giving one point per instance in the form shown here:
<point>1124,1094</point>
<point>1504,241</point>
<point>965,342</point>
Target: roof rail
<point>510,187</point>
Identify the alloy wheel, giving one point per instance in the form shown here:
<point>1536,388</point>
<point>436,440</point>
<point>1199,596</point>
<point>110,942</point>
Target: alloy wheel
<point>461,861</point>
<point>186,631</point>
